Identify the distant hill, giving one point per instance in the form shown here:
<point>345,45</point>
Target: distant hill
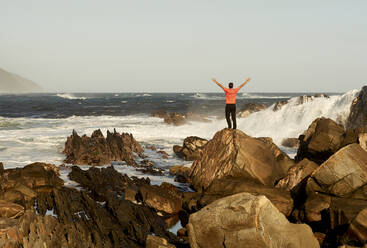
<point>12,83</point>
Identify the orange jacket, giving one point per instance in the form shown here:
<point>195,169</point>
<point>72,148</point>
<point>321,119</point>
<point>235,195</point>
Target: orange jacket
<point>231,95</point>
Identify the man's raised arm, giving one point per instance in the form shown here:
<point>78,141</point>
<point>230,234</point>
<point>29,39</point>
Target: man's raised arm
<point>215,81</point>
<point>247,80</point>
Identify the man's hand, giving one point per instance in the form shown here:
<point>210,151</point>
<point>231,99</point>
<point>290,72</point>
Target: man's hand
<point>214,80</point>
<point>247,80</point>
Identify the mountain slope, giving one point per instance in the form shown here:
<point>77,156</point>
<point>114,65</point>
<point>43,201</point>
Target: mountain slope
<point>12,83</point>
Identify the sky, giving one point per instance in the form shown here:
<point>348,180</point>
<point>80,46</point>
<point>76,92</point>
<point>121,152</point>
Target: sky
<point>178,46</point>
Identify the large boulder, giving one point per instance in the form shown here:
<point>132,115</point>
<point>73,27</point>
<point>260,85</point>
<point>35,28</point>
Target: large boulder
<point>192,148</point>
<point>344,174</point>
<point>296,174</point>
<point>281,199</point>
<point>358,111</point>
<point>244,220</point>
<point>97,150</point>
<point>321,140</point>
<point>233,153</point>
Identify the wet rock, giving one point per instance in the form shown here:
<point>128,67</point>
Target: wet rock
<point>157,242</point>
<point>233,153</point>
<point>175,119</point>
<point>192,148</point>
<point>321,140</point>
<point>250,108</point>
<point>290,142</point>
<point>279,105</point>
<point>342,174</point>
<point>97,150</point>
<point>296,174</point>
<point>10,210</point>
<point>358,112</point>
<point>244,220</point>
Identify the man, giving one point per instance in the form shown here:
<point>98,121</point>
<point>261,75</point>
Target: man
<point>231,101</point>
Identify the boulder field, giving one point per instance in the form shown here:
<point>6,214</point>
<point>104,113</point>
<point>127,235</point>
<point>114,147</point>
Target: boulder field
<point>246,192</point>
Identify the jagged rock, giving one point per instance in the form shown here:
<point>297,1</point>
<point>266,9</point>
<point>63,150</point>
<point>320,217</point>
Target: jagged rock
<point>233,153</point>
<point>10,210</point>
<point>358,112</point>
<point>192,148</point>
<point>244,220</point>
<point>342,174</point>
<point>362,140</point>
<point>290,142</point>
<point>296,174</point>
<point>281,199</point>
<point>321,140</point>
<point>157,242</point>
<point>103,182</point>
<point>1,169</point>
<point>96,150</point>
<point>250,108</point>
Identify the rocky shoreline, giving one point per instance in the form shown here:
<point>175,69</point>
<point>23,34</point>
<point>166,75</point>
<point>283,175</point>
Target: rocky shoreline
<point>246,192</point>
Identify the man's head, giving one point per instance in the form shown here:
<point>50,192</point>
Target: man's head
<point>230,85</point>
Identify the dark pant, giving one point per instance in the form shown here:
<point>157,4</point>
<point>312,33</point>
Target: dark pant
<point>231,110</point>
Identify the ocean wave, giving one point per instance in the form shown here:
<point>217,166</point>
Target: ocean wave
<point>71,96</point>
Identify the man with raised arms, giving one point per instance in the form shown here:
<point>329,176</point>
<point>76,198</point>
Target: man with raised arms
<point>231,101</point>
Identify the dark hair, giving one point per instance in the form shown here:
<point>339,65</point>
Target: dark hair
<point>230,85</point>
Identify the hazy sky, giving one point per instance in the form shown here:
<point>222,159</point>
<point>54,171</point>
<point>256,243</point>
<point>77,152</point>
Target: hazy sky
<point>177,46</point>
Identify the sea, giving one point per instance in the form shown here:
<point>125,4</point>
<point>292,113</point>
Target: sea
<point>34,127</point>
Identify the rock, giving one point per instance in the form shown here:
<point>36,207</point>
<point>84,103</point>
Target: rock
<point>34,176</point>
<point>157,242</point>
<point>296,174</point>
<point>279,105</point>
<point>196,117</point>
<point>182,232</point>
<point>281,199</point>
<point>244,220</point>
<point>358,112</point>
<point>362,140</point>
<point>161,199</point>
<point>103,182</point>
<point>290,142</point>
<point>321,140</point>
<point>358,228</point>
<point>192,148</point>
<point>233,153</point>
<point>179,170</point>
<point>342,174</point>
<point>1,169</point>
<point>175,119</point>
<point>250,108</point>
<point>10,210</point>
<point>96,150</point>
